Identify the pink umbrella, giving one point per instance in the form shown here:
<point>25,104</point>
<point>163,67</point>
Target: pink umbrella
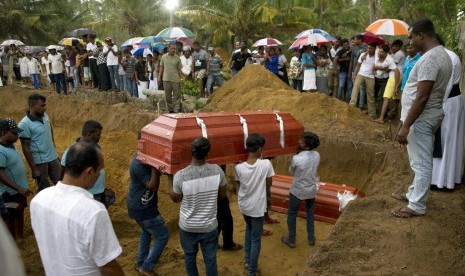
<point>315,39</point>
<point>267,42</point>
<point>186,41</point>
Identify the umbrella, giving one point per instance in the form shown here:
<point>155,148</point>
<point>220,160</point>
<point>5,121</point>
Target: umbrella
<point>141,51</point>
<point>316,39</point>
<point>313,31</point>
<point>80,32</point>
<point>388,27</point>
<point>8,42</point>
<point>57,47</point>
<point>267,42</point>
<point>370,37</point>
<point>150,41</point>
<point>33,49</point>
<point>70,41</point>
<point>134,42</point>
<point>175,32</point>
<point>186,41</point>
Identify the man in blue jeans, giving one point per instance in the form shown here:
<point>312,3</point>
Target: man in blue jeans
<point>422,114</point>
<point>253,176</point>
<point>142,205</point>
<point>304,166</point>
<point>197,187</point>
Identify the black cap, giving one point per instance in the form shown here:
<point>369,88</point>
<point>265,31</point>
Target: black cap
<point>9,124</point>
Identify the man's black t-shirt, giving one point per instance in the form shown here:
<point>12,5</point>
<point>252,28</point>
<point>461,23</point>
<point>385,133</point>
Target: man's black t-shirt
<point>343,65</point>
<point>239,60</point>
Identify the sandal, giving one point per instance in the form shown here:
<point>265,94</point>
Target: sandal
<point>266,232</point>
<point>405,212</point>
<point>272,221</point>
<point>400,197</point>
<point>286,241</point>
<point>234,248</point>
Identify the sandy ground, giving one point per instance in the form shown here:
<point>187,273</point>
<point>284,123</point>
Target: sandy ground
<point>365,241</point>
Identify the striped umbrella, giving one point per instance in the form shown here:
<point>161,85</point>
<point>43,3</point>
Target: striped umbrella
<point>134,42</point>
<point>388,27</point>
<point>150,41</point>
<point>313,31</point>
<point>316,39</point>
<point>175,32</point>
<point>267,42</point>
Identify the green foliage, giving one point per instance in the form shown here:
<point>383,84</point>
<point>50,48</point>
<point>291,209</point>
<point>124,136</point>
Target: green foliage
<point>189,87</point>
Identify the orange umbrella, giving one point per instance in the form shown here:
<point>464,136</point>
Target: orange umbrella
<point>388,27</point>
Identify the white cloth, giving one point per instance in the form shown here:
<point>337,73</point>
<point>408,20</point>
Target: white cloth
<point>153,84</point>
<point>73,231</point>
<point>366,66</point>
<point>23,67</point>
<point>33,66</point>
<point>140,87</point>
<point>448,170</point>
<point>252,189</point>
<point>186,65</point>
<point>112,59</point>
<point>57,64</point>
<point>45,62</point>
<point>91,47</point>
<point>10,258</point>
<point>387,63</point>
<point>309,80</point>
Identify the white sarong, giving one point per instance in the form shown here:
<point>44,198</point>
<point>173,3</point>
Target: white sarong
<point>309,80</point>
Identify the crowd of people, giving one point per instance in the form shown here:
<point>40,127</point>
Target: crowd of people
<point>71,192</point>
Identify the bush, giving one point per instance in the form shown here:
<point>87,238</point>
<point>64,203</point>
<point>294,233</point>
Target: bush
<point>189,87</point>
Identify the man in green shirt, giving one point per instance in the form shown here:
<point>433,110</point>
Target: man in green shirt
<point>170,73</point>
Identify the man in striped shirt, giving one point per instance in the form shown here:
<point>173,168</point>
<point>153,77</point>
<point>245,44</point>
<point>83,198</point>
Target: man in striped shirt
<point>197,187</point>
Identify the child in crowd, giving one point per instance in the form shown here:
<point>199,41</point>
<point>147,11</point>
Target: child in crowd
<point>304,166</point>
<point>253,176</point>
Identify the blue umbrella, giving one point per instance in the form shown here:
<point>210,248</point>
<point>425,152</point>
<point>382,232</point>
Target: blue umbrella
<point>142,51</point>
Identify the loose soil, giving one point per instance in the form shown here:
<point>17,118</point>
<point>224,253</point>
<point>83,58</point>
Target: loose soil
<point>365,241</point>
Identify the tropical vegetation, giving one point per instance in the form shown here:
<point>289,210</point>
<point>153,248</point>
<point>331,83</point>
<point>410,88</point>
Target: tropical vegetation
<point>41,22</point>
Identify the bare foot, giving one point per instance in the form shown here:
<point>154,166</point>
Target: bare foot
<point>379,121</point>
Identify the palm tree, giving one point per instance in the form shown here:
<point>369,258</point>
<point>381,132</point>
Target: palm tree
<point>245,19</point>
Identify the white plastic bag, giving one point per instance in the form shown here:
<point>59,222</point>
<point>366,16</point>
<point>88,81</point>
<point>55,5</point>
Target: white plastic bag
<point>344,199</point>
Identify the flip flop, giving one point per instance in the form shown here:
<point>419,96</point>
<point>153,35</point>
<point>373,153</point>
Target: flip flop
<point>272,221</point>
<point>234,248</point>
<point>404,212</point>
<point>400,197</point>
<point>266,232</point>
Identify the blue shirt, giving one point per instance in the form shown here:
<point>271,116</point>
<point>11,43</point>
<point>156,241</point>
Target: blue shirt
<point>408,65</point>
<point>307,59</point>
<point>99,186</point>
<point>40,133</point>
<point>13,167</point>
<point>142,203</point>
<point>272,64</point>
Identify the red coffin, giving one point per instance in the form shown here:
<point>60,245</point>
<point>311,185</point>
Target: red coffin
<point>326,202</point>
<point>167,140</point>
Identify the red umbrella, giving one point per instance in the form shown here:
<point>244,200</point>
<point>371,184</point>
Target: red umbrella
<point>267,42</point>
<point>370,37</point>
<point>186,41</point>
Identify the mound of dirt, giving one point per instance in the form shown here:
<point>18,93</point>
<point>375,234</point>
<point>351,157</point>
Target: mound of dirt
<point>256,88</point>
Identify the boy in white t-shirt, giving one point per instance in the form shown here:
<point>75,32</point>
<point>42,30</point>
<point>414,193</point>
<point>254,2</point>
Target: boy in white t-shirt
<point>253,176</point>
<point>384,64</point>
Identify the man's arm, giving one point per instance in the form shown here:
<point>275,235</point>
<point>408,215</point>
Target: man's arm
<point>5,180</point>
<point>154,182</point>
<point>357,68</point>
<point>222,192</point>
<point>25,145</point>
<point>269,181</point>
<point>174,196</point>
<point>113,268</point>
<point>423,92</point>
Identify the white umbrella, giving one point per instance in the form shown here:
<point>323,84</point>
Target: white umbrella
<point>267,42</point>
<point>8,42</point>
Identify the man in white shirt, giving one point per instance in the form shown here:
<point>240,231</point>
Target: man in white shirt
<point>253,176</point>
<point>57,68</point>
<point>364,75</point>
<point>73,231</point>
<point>110,51</point>
<point>333,73</point>
<point>92,51</point>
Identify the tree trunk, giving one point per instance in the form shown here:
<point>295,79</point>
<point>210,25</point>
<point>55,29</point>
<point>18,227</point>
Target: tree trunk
<point>372,8</point>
